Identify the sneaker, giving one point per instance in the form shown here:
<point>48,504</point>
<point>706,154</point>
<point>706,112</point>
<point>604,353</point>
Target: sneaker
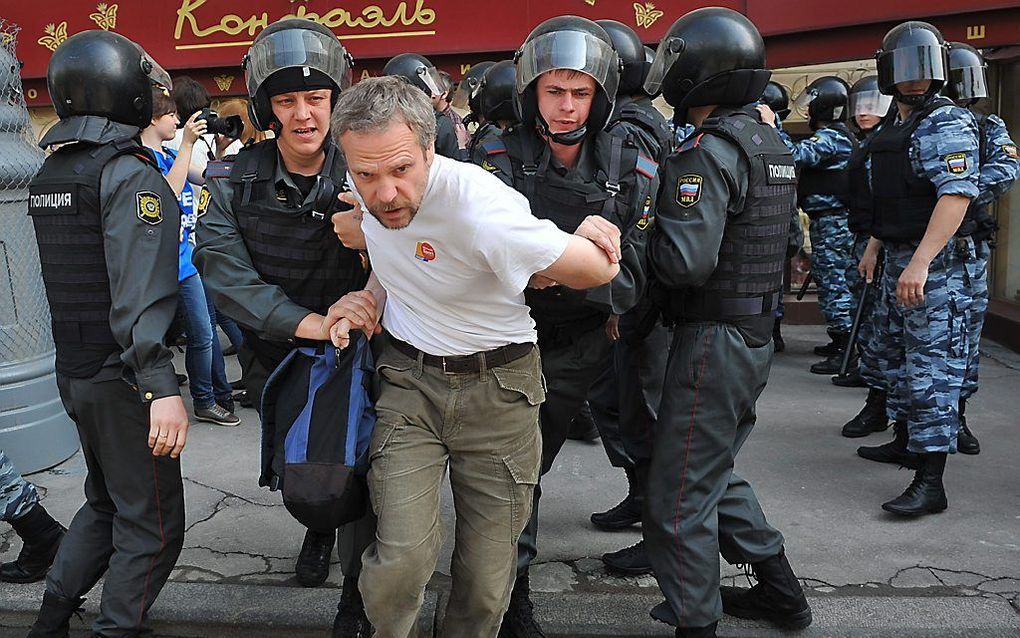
<point>217,415</point>
<point>629,561</point>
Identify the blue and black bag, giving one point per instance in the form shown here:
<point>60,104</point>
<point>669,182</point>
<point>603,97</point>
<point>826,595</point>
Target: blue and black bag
<point>317,420</point>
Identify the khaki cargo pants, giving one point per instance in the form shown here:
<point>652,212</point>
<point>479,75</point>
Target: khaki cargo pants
<point>484,426</point>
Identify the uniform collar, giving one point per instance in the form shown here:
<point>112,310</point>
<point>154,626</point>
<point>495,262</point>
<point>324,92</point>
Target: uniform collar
<point>87,128</point>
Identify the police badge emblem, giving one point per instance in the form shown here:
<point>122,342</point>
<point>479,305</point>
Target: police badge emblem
<point>147,207</point>
<point>688,190</point>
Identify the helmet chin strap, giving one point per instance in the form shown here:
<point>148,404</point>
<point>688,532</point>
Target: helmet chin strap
<point>570,138</point>
<point>915,100</point>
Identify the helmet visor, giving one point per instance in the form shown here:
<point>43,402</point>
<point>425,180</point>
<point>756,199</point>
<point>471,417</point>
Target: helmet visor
<point>805,98</point>
<point>969,82</point>
<point>572,50</point>
<point>292,48</point>
<point>429,76</point>
<point>669,51</point>
<point>869,103</point>
<point>466,90</point>
<point>914,63</point>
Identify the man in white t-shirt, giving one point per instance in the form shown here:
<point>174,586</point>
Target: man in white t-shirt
<point>452,250</point>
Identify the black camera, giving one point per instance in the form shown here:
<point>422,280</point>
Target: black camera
<point>231,127</point>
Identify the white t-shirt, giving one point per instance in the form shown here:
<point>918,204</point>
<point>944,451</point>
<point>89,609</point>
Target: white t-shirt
<point>455,276</point>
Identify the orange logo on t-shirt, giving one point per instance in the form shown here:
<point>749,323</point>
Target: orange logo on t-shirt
<point>424,251</point>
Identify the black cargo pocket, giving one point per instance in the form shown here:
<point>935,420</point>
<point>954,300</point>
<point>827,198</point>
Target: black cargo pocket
<point>526,384</point>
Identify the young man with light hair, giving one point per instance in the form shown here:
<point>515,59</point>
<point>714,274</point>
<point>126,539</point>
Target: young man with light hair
<point>452,250</point>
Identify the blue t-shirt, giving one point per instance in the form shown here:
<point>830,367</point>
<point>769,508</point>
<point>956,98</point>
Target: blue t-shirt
<point>186,201</point>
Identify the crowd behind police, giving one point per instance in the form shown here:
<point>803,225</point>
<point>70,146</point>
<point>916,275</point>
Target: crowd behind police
<point>649,274</point>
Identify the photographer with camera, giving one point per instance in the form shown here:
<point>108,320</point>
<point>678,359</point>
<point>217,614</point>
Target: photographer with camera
<point>266,245</point>
<point>210,390</point>
<point>220,134</point>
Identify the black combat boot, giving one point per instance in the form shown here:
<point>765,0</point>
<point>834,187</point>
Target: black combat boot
<point>834,360</point>
<point>625,513</point>
<point>966,442</point>
<point>894,451</point>
<point>629,561</point>
<point>777,335</point>
<point>777,597</point>
<point>925,494</point>
<point>351,621</point>
<point>870,419</point>
<point>41,536</point>
<point>828,349</point>
<point>54,619</point>
<point>519,619</point>
<point>696,632</point>
<point>313,561</point>
<point>852,378</point>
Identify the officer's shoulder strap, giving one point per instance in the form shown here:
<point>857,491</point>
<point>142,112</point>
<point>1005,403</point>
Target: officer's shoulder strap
<point>254,163</point>
<point>744,130</point>
<point>220,169</point>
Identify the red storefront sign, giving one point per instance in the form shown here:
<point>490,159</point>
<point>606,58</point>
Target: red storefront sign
<point>207,38</point>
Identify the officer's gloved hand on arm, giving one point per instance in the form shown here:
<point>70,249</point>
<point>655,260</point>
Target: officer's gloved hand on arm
<point>347,224</point>
<point>168,426</point>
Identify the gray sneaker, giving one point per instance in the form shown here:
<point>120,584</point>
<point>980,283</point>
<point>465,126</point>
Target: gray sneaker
<point>217,415</point>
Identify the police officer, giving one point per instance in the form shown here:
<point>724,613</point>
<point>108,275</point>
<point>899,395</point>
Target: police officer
<point>494,99</point>
<point>625,398</point>
<point>467,89</point>
<point>417,70</point>
<point>777,99</point>
<point>107,225</point>
<point>924,174</point>
<point>868,106</point>
<point>568,167</point>
<point>40,534</point>
<point>967,85</point>
<point>266,247</point>
<point>822,193</point>
<point>716,256</point>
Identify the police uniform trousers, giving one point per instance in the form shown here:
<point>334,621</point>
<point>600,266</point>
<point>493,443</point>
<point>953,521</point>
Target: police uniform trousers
<point>625,398</point>
<point>927,346</point>
<point>977,272</point>
<point>17,495</point>
<point>131,527</point>
<point>696,506</point>
<point>570,365</point>
<point>868,367</point>
<point>354,538</point>
<point>831,244</point>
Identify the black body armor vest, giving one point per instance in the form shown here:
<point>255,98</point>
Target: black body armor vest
<point>861,210</point>
<point>903,201</point>
<point>67,215</point>
<point>745,286</point>
<point>288,247</point>
<point>566,202</point>
<point>827,181</point>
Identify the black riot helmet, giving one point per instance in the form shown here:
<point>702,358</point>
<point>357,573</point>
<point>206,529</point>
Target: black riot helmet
<point>417,70</point>
<point>912,51</point>
<point>825,99</point>
<point>632,55</point>
<point>867,99</point>
<point>468,86</point>
<point>709,56</point>
<point>776,98</point>
<point>103,73</point>
<point>967,82</point>
<point>496,92</point>
<point>296,54</point>
<point>569,43</point>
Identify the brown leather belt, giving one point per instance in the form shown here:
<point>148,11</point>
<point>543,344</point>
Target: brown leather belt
<point>466,363</point>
